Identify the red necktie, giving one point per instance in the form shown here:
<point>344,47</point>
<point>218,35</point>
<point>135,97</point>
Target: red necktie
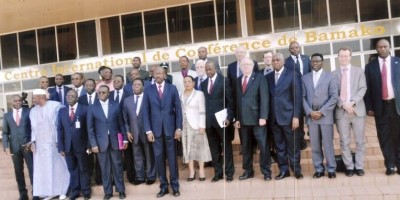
<point>72,114</point>
<point>160,94</point>
<point>385,93</point>
<point>244,85</point>
<point>211,86</point>
<point>17,118</point>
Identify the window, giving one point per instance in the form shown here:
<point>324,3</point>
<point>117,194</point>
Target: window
<point>354,45</point>
<point>313,13</point>
<point>110,35</point>
<point>373,10</point>
<point>66,42</point>
<point>13,87</point>
<point>87,42</point>
<point>9,51</point>
<point>396,40</point>
<point>369,44</point>
<point>323,49</point>
<point>47,45</point>
<point>155,28</point>
<point>394,6</point>
<point>203,20</point>
<point>286,15</point>
<point>258,17</point>
<point>343,11</point>
<point>228,17</point>
<point>132,32</point>
<point>179,25</point>
<point>27,48</point>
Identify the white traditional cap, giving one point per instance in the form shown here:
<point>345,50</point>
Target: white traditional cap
<point>39,92</point>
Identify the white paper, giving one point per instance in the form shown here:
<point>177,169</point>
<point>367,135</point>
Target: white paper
<point>221,117</point>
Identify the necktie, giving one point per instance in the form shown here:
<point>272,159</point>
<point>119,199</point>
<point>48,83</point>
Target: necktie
<point>201,80</point>
<point>60,95</point>
<point>276,77</point>
<point>90,100</point>
<point>298,64</point>
<point>135,104</point>
<point>211,86</point>
<point>385,93</point>
<point>72,114</point>
<point>17,118</point>
<point>244,85</point>
<point>160,94</point>
<point>343,85</point>
<point>117,97</point>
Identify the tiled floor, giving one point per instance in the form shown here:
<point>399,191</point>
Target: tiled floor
<point>374,185</point>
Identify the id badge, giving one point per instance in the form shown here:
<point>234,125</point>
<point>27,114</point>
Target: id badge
<point>77,124</point>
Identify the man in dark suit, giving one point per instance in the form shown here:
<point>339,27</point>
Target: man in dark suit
<point>162,114</point>
<point>285,110</point>
<point>382,100</point>
<point>91,96</point>
<point>73,142</point>
<point>16,133</point>
<point>104,122</point>
<point>77,80</point>
<point>251,117</point>
<point>302,64</point>
<point>218,95</point>
<point>60,89</point>
<point>136,62</point>
<point>133,121</point>
<point>44,85</point>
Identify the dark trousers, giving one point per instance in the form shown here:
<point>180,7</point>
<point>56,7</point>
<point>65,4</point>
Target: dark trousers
<point>143,153</point>
<point>388,129</point>
<point>77,163</point>
<point>166,146</point>
<point>259,133</point>
<point>18,161</point>
<point>219,144</point>
<point>111,165</point>
<point>129,164</point>
<point>287,145</point>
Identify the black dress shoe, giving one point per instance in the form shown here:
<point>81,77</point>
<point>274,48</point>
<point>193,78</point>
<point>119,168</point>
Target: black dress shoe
<point>107,197</point>
<point>229,178</point>
<point>389,171</point>
<point>246,176</point>
<point>282,175</point>
<point>162,193</point>
<point>122,195</point>
<point>267,177</point>
<point>74,197</point>
<point>349,172</point>
<point>191,178</point>
<point>86,197</point>
<point>216,178</point>
<point>138,182</point>
<point>299,175</point>
<point>176,193</point>
<point>331,175</point>
<point>318,174</point>
<point>360,172</point>
<point>150,182</point>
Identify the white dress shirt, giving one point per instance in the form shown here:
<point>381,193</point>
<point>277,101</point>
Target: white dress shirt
<point>79,90</point>
<point>104,105</point>
<point>15,114</point>
<point>91,96</point>
<point>316,76</point>
<point>121,92</point>
<point>139,102</point>
<point>300,62</point>
<point>389,75</point>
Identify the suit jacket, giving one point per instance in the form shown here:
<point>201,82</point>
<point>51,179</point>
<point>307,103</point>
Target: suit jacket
<point>286,97</point>
<point>81,92</point>
<point>220,98</point>
<point>178,79</point>
<point>65,90</point>
<point>232,76</point>
<point>289,63</point>
<point>133,123</point>
<point>53,95</point>
<point>373,97</point>
<point>196,82</point>
<point>14,136</point>
<point>162,115</point>
<point>84,99</point>
<point>358,87</point>
<point>103,131</point>
<point>123,97</point>
<point>253,103</point>
<point>69,137</point>
<point>194,108</point>
<point>322,98</point>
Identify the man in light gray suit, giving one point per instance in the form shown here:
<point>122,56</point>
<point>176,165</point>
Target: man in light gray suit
<point>350,111</point>
<point>320,95</point>
<point>133,122</point>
